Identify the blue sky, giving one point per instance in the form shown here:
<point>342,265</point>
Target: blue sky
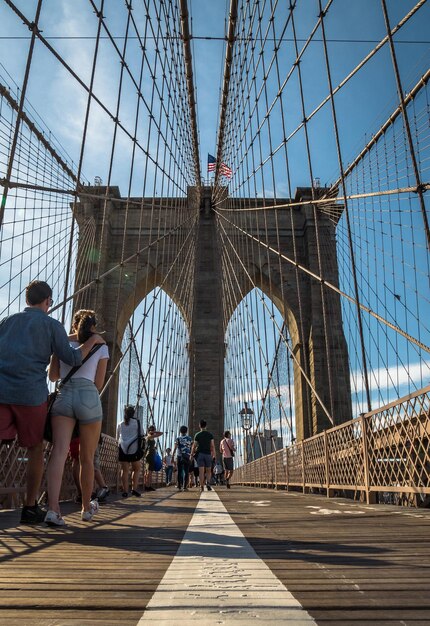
<point>60,102</point>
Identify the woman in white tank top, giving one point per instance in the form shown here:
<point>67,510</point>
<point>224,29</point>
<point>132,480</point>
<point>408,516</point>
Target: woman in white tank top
<point>77,401</point>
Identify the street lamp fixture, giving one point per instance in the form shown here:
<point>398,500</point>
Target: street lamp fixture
<point>246,418</point>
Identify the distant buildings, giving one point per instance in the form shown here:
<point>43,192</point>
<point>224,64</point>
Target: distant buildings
<point>261,444</point>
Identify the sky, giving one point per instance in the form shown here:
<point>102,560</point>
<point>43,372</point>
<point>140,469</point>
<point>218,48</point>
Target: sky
<point>59,102</point>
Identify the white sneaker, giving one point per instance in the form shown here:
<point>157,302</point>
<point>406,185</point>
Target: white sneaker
<point>52,518</point>
<point>87,516</point>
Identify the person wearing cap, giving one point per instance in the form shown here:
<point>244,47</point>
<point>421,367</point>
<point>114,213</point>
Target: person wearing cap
<point>27,341</point>
<point>77,401</point>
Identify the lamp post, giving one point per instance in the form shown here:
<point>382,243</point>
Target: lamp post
<point>246,418</point>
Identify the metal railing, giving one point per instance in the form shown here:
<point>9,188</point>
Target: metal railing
<point>13,466</point>
<point>381,456</point>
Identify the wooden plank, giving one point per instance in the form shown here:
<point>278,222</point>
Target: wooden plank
<point>345,562</point>
<point>104,572</point>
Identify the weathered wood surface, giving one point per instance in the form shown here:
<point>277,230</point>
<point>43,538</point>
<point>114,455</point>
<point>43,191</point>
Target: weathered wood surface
<point>99,573</point>
<point>347,563</point>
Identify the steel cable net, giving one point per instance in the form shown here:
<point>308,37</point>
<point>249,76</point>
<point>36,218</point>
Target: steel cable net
<point>119,101</point>
<point>344,256</point>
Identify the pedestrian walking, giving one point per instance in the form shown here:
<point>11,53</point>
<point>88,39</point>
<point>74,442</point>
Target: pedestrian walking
<point>130,451</point>
<point>182,448</point>
<point>204,447</point>
<point>227,448</point>
<point>27,341</point>
<point>149,459</point>
<point>168,465</point>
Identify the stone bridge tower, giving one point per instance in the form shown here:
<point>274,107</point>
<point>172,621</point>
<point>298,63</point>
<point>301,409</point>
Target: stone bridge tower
<point>296,295</point>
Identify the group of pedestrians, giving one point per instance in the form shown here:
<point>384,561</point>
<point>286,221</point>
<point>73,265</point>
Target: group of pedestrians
<point>201,452</point>
<point>32,341</point>
<point>192,458</point>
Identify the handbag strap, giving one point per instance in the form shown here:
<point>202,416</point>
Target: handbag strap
<point>139,435</point>
<point>76,367</point>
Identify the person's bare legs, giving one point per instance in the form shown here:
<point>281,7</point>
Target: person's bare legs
<point>228,475</point>
<point>34,472</point>
<point>208,475</point>
<point>191,478</point>
<point>98,476</point>
<point>89,436</point>
<point>202,471</point>
<point>76,470</point>
<point>62,429</point>
<point>124,475</point>
<point>135,474</point>
<point>148,478</point>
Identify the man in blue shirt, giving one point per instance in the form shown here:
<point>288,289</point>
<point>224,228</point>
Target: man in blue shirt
<point>27,342</point>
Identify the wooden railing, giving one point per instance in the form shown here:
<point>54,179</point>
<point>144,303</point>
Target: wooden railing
<point>381,456</point>
<point>13,465</point>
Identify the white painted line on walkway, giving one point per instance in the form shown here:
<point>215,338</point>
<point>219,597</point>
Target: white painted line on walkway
<point>216,578</point>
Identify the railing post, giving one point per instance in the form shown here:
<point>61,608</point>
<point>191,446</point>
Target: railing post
<point>302,445</point>
<point>276,470</point>
<point>327,466</point>
<point>370,496</point>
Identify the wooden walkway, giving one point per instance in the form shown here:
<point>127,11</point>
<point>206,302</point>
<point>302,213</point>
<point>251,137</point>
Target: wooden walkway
<point>344,562</point>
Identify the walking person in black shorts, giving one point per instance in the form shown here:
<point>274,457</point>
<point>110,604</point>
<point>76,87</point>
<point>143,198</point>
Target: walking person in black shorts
<point>204,446</point>
<point>227,448</point>
<point>130,451</point>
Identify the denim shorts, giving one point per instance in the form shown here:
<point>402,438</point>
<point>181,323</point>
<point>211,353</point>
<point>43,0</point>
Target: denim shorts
<point>79,398</point>
<point>204,460</point>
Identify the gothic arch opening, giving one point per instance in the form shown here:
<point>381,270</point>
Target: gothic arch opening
<point>259,378</point>
<point>154,372</point>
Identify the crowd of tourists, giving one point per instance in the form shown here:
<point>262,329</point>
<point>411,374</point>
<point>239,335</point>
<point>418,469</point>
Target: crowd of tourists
<point>193,460</point>
<point>32,342</point>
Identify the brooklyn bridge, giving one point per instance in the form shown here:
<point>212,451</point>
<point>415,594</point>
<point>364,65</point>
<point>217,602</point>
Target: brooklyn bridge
<point>240,191</point>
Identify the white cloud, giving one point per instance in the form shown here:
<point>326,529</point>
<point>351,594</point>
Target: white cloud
<point>384,378</point>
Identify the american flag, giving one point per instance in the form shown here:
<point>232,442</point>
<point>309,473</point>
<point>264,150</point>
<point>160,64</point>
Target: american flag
<point>224,169</point>
<point>211,163</point>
